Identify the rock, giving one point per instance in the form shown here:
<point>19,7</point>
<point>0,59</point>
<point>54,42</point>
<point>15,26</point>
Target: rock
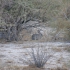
<point>30,24</point>
<point>37,36</point>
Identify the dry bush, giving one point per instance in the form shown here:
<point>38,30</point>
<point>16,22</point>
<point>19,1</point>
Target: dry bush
<point>62,24</point>
<point>65,25</point>
<point>38,57</point>
<point>63,19</point>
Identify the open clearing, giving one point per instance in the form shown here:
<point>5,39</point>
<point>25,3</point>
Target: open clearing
<point>12,54</point>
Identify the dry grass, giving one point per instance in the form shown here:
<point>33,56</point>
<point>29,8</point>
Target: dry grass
<point>9,67</point>
<point>62,26</point>
<point>57,49</point>
<point>67,48</point>
<point>29,68</point>
<point>32,68</point>
<point>21,68</point>
<point>60,69</point>
<point>63,22</point>
<point>64,67</point>
<point>24,35</point>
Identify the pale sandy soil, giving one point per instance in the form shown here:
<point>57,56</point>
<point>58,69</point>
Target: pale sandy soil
<point>12,54</point>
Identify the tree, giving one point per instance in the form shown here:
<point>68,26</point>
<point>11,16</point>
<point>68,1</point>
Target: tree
<point>11,14</point>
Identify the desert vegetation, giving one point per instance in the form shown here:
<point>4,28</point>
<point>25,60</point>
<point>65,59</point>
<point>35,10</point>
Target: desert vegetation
<point>28,28</point>
<point>14,13</point>
<point>35,56</point>
<point>38,57</point>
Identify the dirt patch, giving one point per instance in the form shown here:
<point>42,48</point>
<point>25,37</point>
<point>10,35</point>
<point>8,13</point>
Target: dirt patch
<point>32,68</point>
<point>11,54</point>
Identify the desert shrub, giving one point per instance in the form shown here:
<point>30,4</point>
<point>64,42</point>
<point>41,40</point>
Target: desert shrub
<point>62,25</point>
<point>48,9</point>
<point>65,25</point>
<point>38,57</point>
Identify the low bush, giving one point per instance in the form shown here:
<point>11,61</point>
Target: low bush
<point>38,57</point>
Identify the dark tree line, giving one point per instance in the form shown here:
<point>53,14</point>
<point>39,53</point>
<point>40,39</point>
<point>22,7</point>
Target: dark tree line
<point>14,16</point>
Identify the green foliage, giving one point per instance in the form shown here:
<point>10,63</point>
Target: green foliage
<point>47,8</point>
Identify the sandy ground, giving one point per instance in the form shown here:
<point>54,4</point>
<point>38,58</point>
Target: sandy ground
<point>13,54</point>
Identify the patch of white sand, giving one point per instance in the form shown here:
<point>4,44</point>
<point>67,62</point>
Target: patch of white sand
<point>12,53</point>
